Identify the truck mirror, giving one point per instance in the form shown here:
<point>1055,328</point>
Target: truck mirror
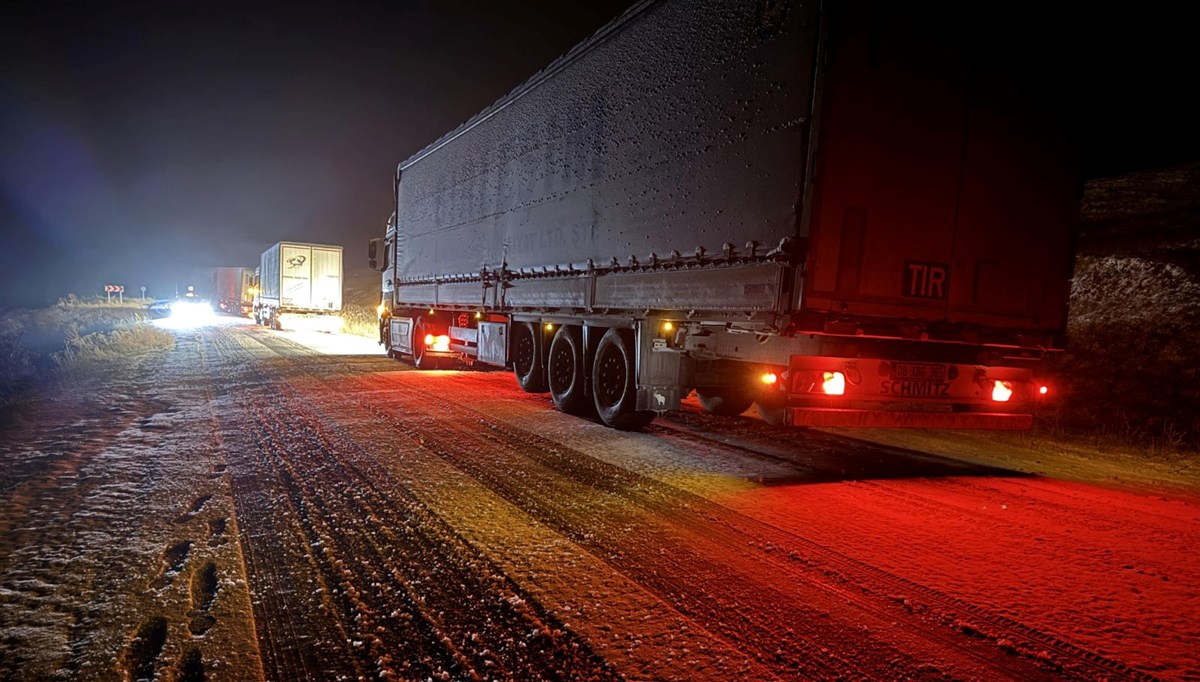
<point>373,255</point>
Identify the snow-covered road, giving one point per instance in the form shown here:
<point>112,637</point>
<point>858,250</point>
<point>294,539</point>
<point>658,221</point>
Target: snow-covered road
<point>263,505</point>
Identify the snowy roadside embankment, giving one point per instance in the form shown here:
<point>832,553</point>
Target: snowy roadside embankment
<point>1132,366</point>
<point>42,343</point>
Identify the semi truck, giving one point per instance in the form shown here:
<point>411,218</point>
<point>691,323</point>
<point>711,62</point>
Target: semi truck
<point>300,287</point>
<point>846,213</point>
<point>233,290</point>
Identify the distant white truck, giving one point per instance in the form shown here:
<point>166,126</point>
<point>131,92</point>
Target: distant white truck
<point>300,287</point>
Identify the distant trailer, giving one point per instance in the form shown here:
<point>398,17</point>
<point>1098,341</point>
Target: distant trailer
<point>300,287</point>
<point>233,290</point>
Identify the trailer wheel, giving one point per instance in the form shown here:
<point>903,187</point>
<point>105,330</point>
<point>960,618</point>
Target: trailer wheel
<point>726,402</point>
<point>527,360</point>
<point>567,374</point>
<point>613,385</point>
<point>422,359</point>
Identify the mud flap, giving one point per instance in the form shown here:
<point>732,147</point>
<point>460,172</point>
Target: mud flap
<point>658,399</point>
<point>660,374</point>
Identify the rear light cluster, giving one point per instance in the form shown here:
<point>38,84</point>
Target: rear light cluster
<point>439,344</point>
<point>832,383</point>
<point>902,380</point>
<point>815,381</point>
<point>1002,391</point>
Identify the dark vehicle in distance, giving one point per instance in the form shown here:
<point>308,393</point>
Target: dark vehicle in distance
<point>234,290</point>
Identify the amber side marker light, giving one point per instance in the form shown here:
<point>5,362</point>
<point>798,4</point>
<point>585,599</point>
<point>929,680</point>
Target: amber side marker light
<point>667,326</point>
<point>770,378</point>
<point>549,327</point>
<point>833,383</point>
<point>1002,391</point>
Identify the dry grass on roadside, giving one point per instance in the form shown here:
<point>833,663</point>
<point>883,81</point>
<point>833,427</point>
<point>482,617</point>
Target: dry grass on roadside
<point>105,346</point>
<point>42,343</point>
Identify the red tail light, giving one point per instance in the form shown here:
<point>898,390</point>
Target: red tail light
<point>833,383</point>
<point>1002,391</point>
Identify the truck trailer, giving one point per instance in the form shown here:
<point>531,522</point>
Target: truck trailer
<point>849,213</point>
<point>233,290</point>
<point>300,287</point>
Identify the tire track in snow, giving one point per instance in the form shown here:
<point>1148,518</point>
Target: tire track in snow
<point>1000,633</point>
<point>294,630</point>
<point>402,574</point>
<point>781,627</point>
<point>708,594</point>
<point>941,616</point>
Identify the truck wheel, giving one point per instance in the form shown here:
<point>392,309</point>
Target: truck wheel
<point>726,402</point>
<point>422,359</point>
<point>567,375</point>
<point>527,361</point>
<point>613,385</point>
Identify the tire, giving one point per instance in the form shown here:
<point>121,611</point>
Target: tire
<point>614,389</point>
<point>566,374</point>
<point>527,358</point>
<point>726,402</point>
<point>421,359</point>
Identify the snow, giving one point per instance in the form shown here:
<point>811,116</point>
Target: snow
<point>292,509</point>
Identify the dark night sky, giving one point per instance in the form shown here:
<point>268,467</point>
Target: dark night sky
<point>143,142</point>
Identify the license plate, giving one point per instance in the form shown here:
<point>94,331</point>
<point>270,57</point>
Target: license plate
<point>918,371</point>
